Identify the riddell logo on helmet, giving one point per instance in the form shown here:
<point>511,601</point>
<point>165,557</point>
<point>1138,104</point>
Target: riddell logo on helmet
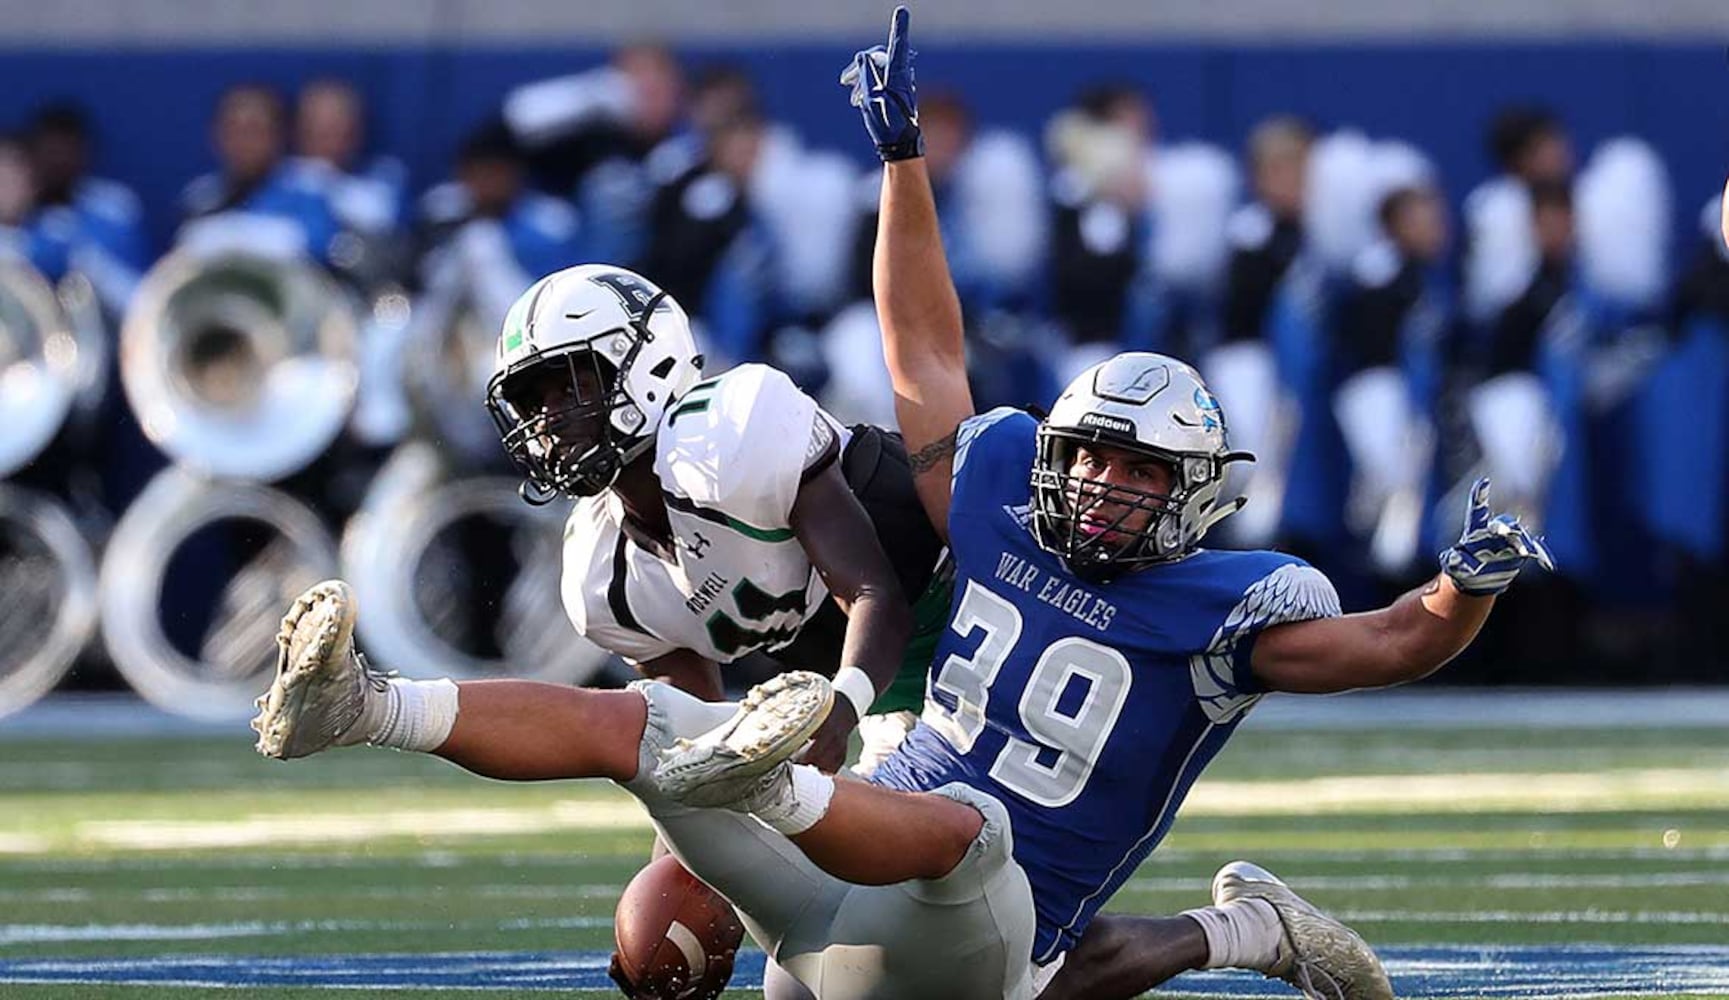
<point>1106,422</point>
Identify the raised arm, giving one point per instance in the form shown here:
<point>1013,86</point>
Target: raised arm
<point>915,297</point>
<point>1415,635</point>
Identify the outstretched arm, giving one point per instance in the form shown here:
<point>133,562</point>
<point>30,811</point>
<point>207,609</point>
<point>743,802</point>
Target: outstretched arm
<point>915,297</point>
<point>1418,633</point>
<point>1408,640</point>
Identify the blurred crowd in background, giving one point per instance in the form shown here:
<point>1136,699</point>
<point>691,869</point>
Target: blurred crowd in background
<point>1378,337</point>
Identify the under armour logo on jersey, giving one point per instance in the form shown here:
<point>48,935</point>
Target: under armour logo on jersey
<point>695,548</point>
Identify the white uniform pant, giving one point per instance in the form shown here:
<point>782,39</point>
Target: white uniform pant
<point>966,935</point>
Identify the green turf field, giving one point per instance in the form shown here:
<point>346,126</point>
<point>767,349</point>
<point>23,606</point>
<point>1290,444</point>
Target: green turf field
<point>113,850</point>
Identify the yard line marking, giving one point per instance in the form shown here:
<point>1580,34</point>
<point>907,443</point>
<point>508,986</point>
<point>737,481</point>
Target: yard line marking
<point>11,934</point>
<point>346,828</point>
<point>611,890</point>
<point>23,843</point>
<point>1450,971</point>
<point>258,893</point>
<point>1500,880</point>
<point>544,860</point>
<point>1709,917</point>
<point>1467,855</point>
<point>1515,793</point>
<point>1521,792</point>
<point>60,895</point>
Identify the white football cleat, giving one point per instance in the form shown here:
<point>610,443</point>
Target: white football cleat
<point>1318,955</point>
<point>322,686</point>
<point>728,765</point>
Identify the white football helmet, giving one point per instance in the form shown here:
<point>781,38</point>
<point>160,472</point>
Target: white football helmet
<point>1144,403</point>
<point>589,360</point>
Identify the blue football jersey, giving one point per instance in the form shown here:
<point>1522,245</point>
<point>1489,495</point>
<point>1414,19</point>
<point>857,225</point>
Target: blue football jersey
<point>1088,709</point>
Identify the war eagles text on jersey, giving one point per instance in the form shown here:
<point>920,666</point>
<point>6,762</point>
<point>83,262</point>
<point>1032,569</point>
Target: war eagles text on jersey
<point>1065,595</point>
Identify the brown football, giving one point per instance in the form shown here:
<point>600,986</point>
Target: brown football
<point>676,937</point>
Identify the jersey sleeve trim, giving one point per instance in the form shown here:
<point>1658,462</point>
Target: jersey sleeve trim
<point>969,431</point>
<point>617,597</point>
<point>689,506</point>
<point>822,464</point>
<point>1224,681</point>
<point>827,455</point>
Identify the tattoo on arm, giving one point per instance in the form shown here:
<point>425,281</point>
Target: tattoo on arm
<point>928,457</point>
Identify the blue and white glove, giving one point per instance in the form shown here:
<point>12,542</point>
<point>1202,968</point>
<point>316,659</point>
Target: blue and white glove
<point>1492,551</point>
<point>882,89</point>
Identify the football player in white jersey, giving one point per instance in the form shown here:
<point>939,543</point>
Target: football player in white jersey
<point>713,517</point>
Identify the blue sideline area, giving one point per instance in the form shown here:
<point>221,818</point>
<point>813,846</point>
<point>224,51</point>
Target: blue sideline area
<point>1450,971</point>
<point>152,107</point>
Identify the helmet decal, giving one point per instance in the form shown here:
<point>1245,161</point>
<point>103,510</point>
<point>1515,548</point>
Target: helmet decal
<point>1131,383</point>
<point>634,293</point>
<point>1212,418</point>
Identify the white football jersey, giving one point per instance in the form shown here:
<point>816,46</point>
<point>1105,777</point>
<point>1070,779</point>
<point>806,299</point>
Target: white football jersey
<point>730,456</point>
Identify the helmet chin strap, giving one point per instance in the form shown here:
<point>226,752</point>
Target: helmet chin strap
<point>636,450</point>
<point>534,494</point>
<point>1220,513</point>
<point>1170,535</point>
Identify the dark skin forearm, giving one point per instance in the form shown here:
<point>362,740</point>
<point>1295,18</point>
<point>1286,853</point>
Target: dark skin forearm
<point>842,545</point>
<point>877,630</point>
<point>688,671</point>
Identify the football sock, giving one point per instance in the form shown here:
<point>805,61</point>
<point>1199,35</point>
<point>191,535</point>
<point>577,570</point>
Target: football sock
<point>794,806</point>
<point>1242,934</point>
<point>410,715</point>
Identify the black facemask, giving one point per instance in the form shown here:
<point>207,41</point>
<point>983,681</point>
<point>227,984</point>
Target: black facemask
<point>1069,511</point>
<point>554,418</point>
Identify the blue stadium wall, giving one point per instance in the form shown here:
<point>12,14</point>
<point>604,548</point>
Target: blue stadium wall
<point>152,106</point>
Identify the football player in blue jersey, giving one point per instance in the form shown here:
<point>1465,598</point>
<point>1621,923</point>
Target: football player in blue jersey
<point>1095,660</point>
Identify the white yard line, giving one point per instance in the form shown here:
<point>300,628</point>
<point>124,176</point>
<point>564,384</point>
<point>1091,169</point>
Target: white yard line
<point>1451,793</point>
<point>1501,880</point>
<point>1689,917</point>
<point>23,843</point>
<point>109,716</point>
<point>1679,853</point>
<point>611,890</point>
<point>1467,970</point>
<point>12,934</point>
<point>1602,791</point>
<point>350,828</point>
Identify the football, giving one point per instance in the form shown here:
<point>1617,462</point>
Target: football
<point>675,936</point>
